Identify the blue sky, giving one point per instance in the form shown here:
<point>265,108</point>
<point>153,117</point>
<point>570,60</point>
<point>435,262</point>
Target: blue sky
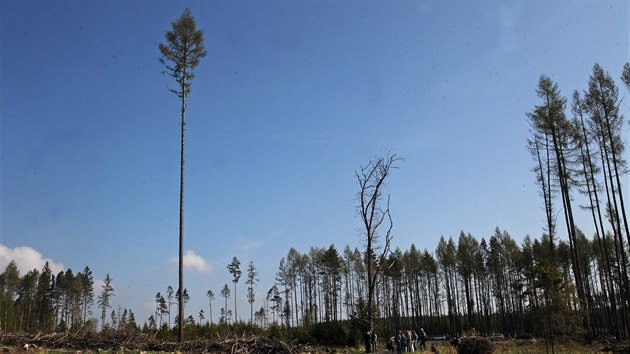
<point>291,99</point>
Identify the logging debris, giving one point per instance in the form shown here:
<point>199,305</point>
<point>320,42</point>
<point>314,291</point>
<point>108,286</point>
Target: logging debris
<point>135,341</point>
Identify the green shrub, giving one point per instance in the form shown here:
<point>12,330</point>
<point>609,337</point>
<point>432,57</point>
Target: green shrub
<point>331,333</point>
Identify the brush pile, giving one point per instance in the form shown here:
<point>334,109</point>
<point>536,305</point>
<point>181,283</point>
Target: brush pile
<point>135,341</point>
<point>475,345</point>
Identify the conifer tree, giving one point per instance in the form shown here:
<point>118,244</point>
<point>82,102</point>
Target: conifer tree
<point>251,281</point>
<point>235,269</point>
<point>44,298</point>
<point>180,55</point>
<point>225,293</point>
<point>625,76</point>
<point>104,298</point>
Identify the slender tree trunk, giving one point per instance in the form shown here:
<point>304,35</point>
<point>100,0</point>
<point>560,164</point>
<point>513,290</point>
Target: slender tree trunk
<point>589,176</point>
<point>544,176</point>
<point>620,253</point>
<point>615,164</point>
<point>235,318</point>
<point>180,317</point>
<point>568,212</point>
<point>295,302</point>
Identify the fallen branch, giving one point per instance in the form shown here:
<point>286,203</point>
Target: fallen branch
<point>137,341</point>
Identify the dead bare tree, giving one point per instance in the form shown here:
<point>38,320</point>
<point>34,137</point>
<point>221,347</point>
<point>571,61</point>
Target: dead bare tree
<point>375,215</point>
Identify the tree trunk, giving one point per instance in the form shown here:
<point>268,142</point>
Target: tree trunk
<point>180,317</point>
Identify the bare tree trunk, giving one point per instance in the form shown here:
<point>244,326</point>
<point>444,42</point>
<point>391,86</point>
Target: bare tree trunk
<point>180,317</point>
<point>589,177</point>
<point>371,180</point>
<point>617,238</point>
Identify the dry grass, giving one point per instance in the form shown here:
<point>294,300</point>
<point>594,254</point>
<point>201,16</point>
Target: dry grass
<point>533,347</point>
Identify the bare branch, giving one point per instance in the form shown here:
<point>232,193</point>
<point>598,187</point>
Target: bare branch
<point>372,179</point>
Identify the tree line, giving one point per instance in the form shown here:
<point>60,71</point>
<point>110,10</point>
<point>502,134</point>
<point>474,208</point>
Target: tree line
<point>40,301</point>
<point>490,285</point>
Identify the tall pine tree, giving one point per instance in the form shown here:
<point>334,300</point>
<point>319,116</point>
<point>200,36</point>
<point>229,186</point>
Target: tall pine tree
<point>180,55</point>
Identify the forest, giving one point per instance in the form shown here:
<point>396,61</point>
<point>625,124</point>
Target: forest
<point>560,285</point>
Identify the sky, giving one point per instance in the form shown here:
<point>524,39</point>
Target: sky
<point>292,98</point>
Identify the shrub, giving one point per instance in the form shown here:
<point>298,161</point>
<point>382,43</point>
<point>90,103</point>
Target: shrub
<point>330,333</point>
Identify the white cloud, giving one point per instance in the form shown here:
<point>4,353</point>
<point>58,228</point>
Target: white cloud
<point>26,258</point>
<point>193,261</point>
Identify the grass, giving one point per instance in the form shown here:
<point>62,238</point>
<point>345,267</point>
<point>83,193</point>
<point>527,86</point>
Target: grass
<point>509,347</point>
<point>528,347</point>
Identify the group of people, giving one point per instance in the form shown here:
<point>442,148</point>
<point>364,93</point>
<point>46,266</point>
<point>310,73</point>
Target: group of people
<point>371,339</point>
<point>403,342</point>
<point>407,341</point>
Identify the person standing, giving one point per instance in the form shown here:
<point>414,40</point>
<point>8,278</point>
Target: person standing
<point>423,339</point>
<point>374,339</point>
<point>404,342</point>
<point>413,340</point>
<point>368,342</point>
<point>390,344</point>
